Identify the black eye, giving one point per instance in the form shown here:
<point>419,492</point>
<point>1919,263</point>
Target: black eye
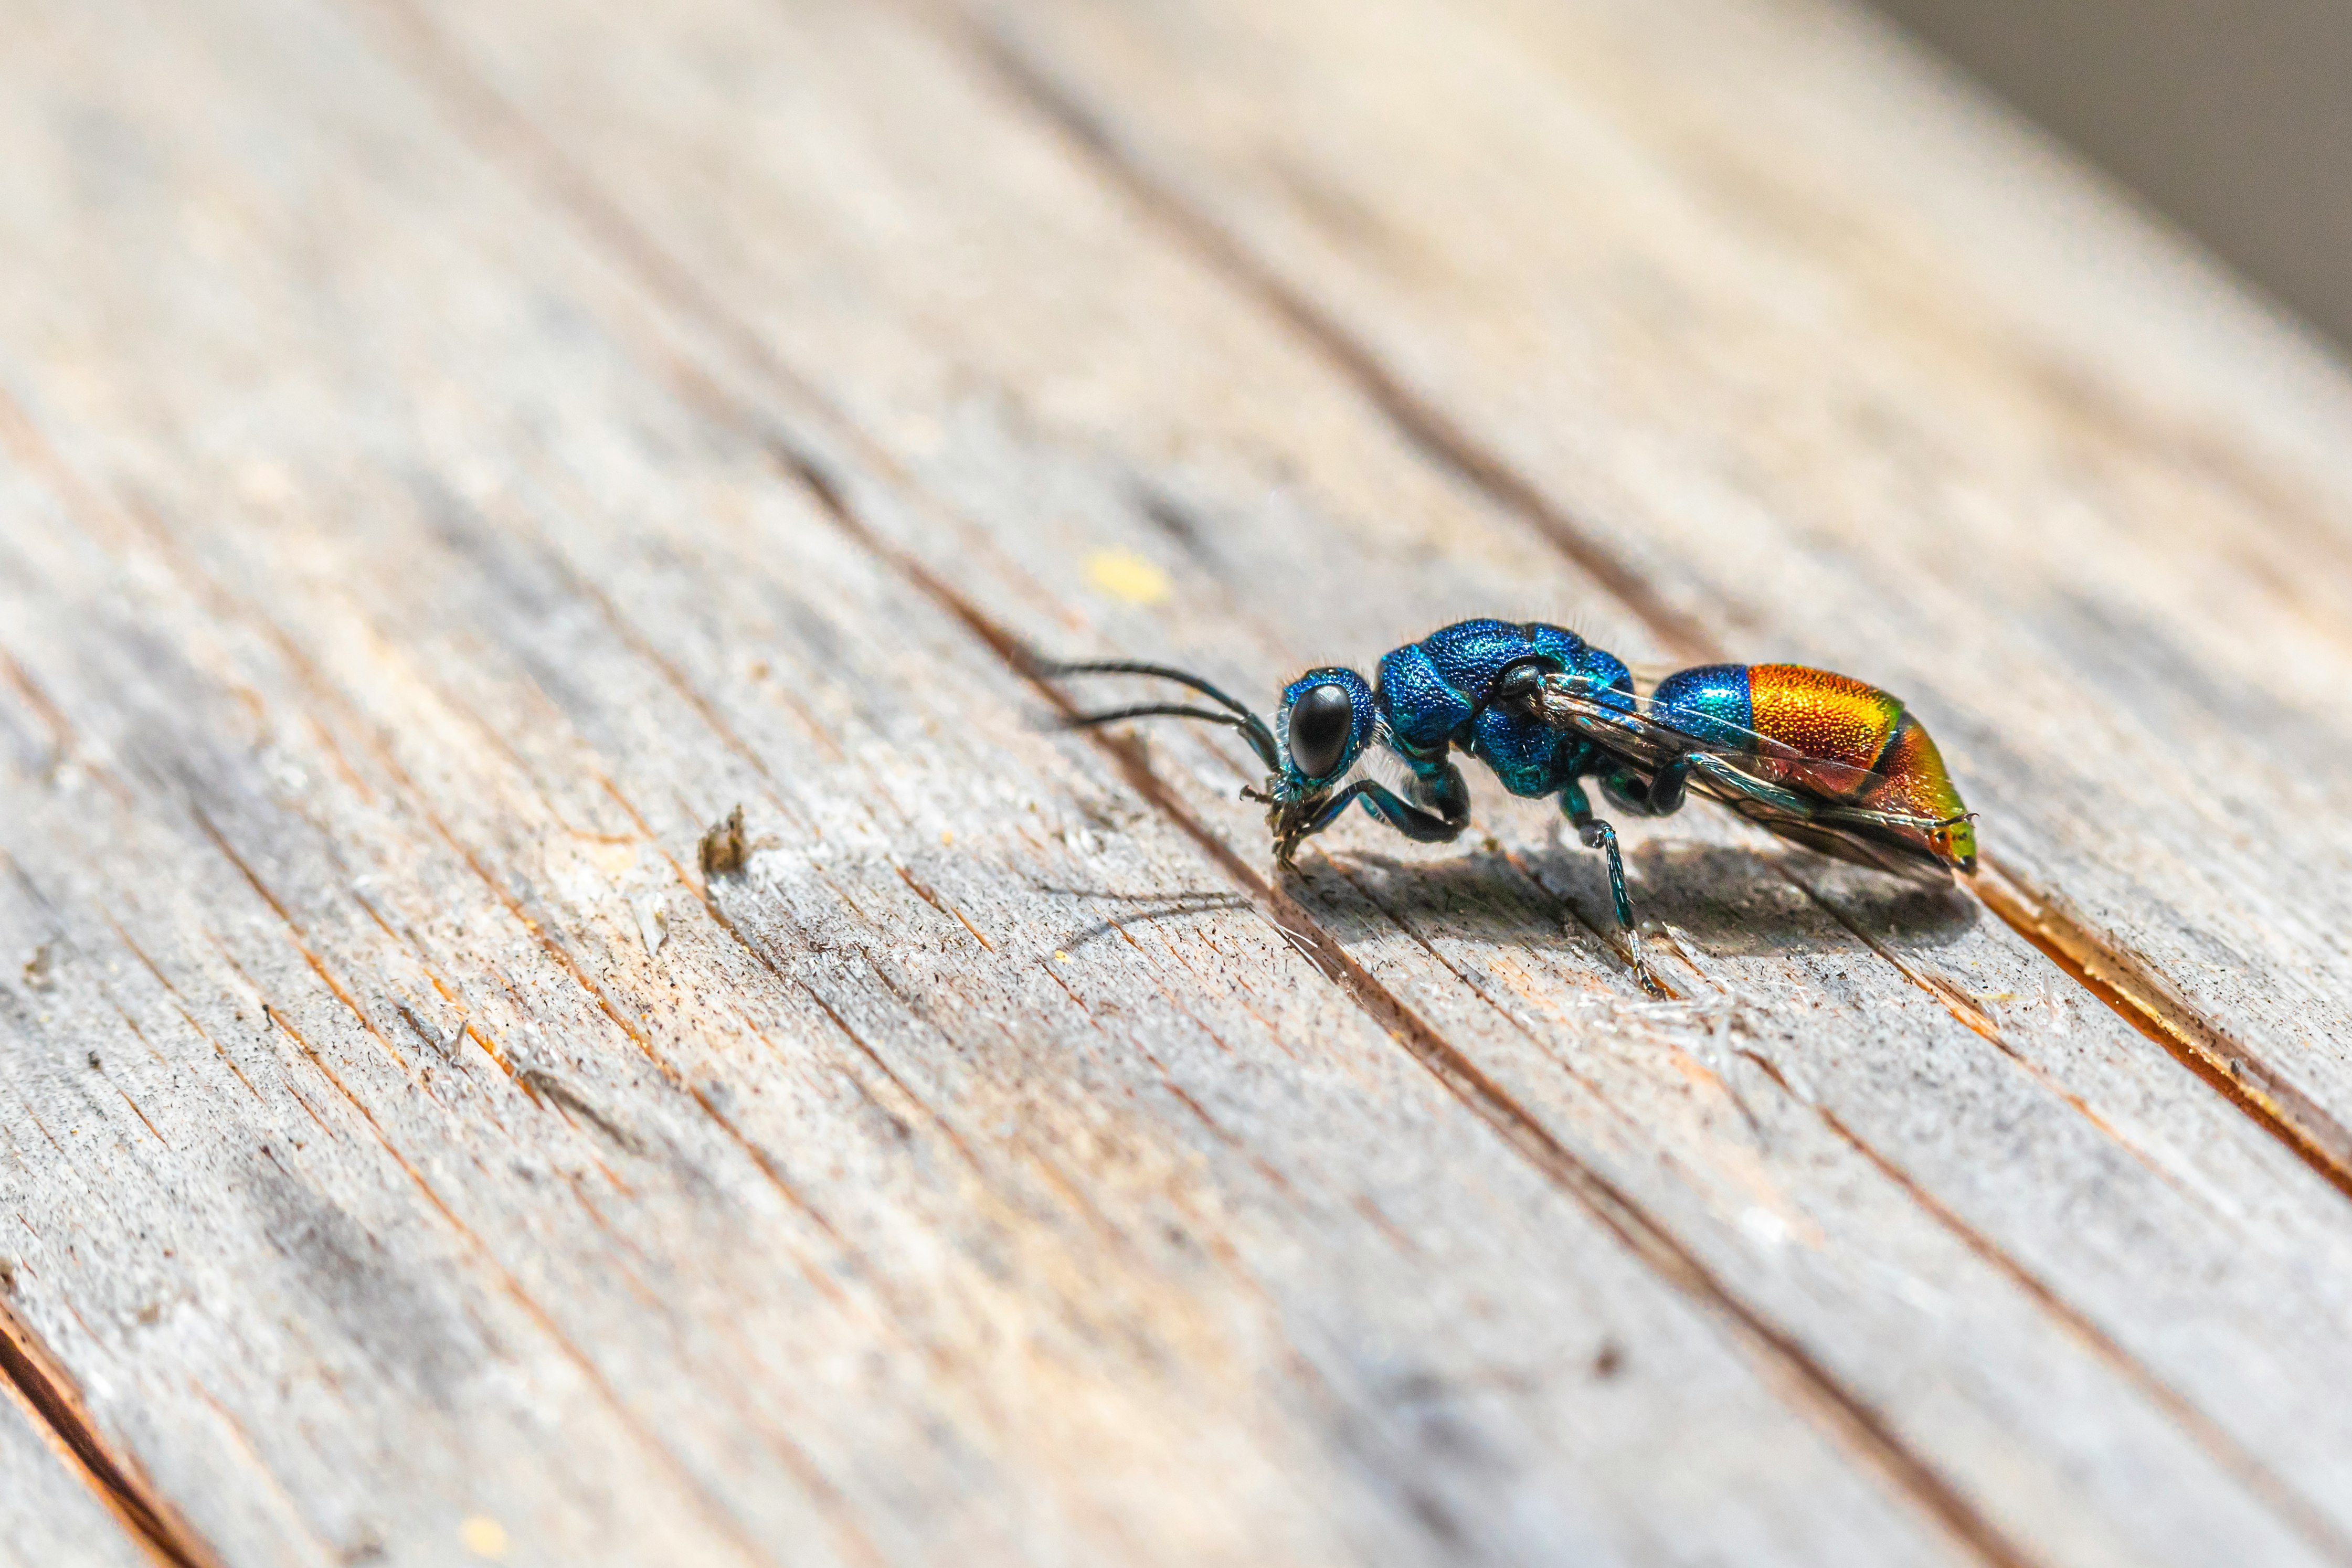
<point>1321,722</point>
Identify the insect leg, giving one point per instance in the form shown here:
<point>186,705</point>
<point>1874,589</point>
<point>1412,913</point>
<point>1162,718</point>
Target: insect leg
<point>1668,784</point>
<point>1423,827</point>
<point>1626,791</point>
<point>1406,817</point>
<point>1598,835</point>
<point>1438,790</point>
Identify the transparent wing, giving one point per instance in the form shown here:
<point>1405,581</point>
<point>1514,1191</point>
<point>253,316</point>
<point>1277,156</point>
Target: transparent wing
<point>1888,841</point>
<point>1807,800</point>
<point>1651,736</point>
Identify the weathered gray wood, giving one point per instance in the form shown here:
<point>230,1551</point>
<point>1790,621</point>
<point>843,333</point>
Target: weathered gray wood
<point>1830,359</point>
<point>408,1162</point>
<point>398,582</point>
<point>48,1517</point>
<point>2039,1146</point>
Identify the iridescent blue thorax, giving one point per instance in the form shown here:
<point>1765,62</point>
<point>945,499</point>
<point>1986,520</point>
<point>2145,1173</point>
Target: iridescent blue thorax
<point>1436,693</point>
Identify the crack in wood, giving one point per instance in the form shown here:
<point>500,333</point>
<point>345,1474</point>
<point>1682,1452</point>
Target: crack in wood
<point>1429,429</point>
<point>1973,1016</point>
<point>294,930</point>
<point>2310,1521</point>
<point>52,1399</point>
<point>55,1408</point>
<point>2148,1003</point>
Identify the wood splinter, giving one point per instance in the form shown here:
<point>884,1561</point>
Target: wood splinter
<point>724,851</point>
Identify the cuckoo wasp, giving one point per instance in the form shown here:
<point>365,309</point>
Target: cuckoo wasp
<point>1817,758</point>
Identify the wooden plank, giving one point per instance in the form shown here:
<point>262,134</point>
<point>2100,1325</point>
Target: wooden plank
<point>48,1514</point>
<point>410,1162</point>
<point>1965,1115</point>
<point>70,1483</point>
<point>1815,354</point>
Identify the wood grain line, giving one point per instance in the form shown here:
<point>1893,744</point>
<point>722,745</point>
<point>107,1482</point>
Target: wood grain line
<point>295,933</point>
<point>2149,1005</point>
<point>51,1397</point>
<point>1972,1016</point>
<point>61,735</point>
<point>97,507</point>
<point>2307,1519</point>
<point>2094,959</point>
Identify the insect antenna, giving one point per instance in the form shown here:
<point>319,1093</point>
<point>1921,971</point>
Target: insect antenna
<point>1263,745</point>
<point>1237,716</point>
<point>1134,667</point>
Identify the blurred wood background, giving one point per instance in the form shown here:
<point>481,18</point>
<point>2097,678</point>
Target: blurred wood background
<point>2232,120</point>
<point>453,455</point>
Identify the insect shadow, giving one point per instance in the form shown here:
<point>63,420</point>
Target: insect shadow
<point>1733,901</point>
<point>1143,909</point>
<point>1724,900</point>
<point>1359,894</point>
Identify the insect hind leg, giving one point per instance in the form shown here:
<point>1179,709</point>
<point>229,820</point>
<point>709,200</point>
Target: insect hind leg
<point>1658,794</point>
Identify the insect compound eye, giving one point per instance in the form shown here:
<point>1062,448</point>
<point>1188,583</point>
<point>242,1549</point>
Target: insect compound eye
<point>1322,722</point>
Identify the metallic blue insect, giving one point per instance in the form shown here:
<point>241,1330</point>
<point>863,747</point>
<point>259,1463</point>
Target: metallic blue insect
<point>1818,758</point>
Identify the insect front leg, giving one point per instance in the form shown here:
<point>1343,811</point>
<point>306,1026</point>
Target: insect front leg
<point>1423,827</point>
<point>1414,822</point>
<point>1438,789</point>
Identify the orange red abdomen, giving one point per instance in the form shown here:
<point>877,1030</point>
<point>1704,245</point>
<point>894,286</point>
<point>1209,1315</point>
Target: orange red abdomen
<point>1830,734</point>
<point>1820,716</point>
